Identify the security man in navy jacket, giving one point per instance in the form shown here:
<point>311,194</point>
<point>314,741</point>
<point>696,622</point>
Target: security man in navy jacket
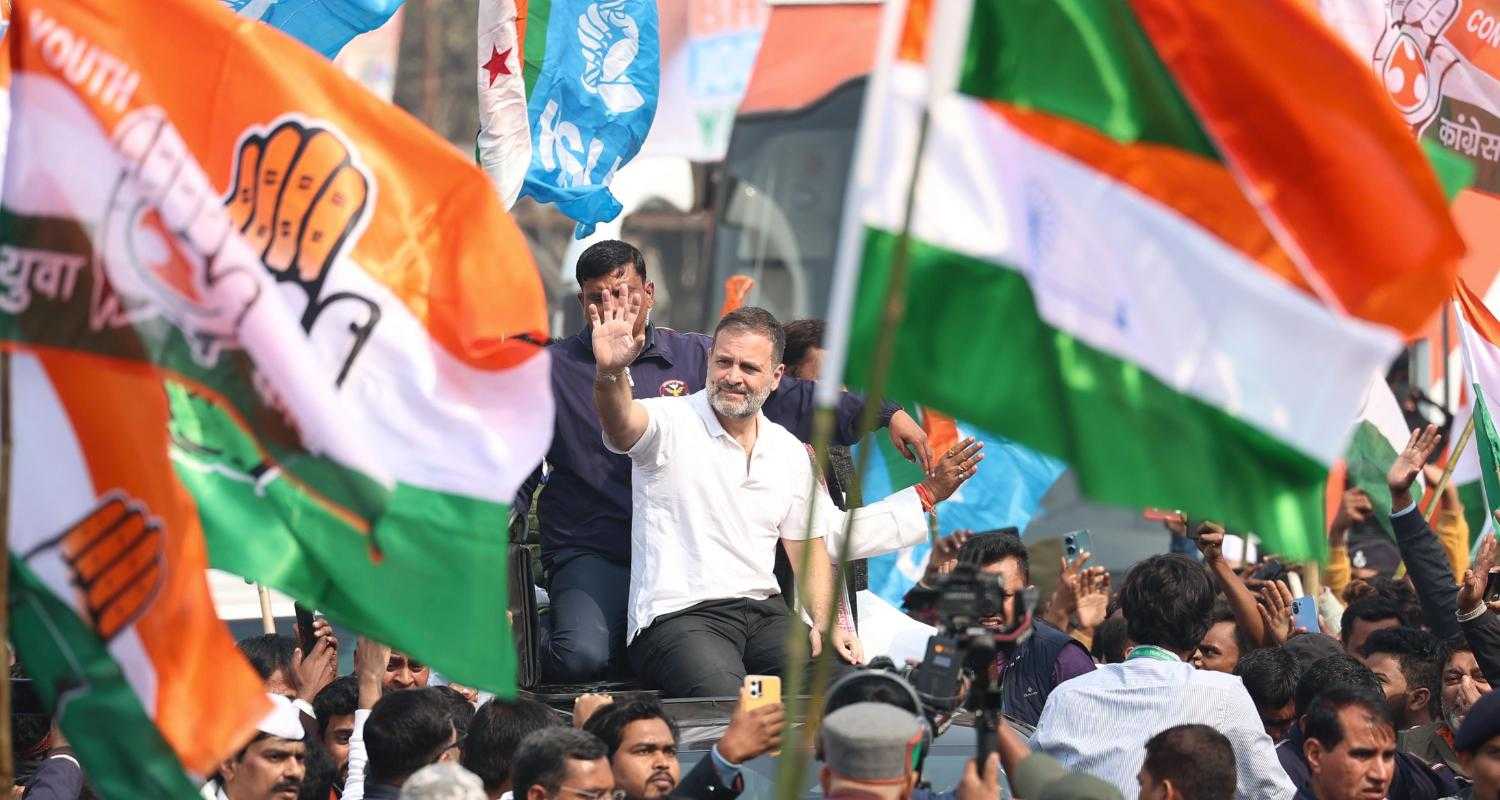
<point>584,505</point>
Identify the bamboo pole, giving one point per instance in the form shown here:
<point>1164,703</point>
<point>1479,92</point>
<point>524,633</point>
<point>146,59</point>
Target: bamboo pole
<point>267,620</point>
<point>7,765</point>
<point>1442,485</point>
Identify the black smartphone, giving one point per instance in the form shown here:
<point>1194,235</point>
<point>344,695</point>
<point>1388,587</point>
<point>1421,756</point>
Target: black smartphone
<point>1492,589</point>
<point>306,638</point>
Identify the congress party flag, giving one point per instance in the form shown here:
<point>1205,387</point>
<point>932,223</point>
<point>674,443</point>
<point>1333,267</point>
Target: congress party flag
<point>263,320</point>
<point>1118,254</point>
<point>592,69</point>
<point>324,25</point>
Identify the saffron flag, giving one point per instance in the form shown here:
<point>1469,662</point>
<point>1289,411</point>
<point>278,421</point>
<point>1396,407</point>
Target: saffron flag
<point>264,320</point>
<point>324,25</point>
<point>1118,256</point>
<point>1479,334</point>
<point>592,69</point>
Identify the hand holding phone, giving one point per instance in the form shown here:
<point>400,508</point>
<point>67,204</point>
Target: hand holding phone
<point>1305,614</point>
<point>1077,543</point>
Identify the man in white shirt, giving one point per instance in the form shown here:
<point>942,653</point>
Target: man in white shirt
<point>715,487</point>
<point>1099,722</point>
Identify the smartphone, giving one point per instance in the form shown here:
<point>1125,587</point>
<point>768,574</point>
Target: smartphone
<point>1305,614</point>
<point>1077,542</point>
<point>764,690</point>
<point>306,638</point>
<point>1163,515</point>
<point>1492,589</point>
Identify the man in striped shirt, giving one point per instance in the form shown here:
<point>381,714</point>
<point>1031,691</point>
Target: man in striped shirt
<point>1099,722</point>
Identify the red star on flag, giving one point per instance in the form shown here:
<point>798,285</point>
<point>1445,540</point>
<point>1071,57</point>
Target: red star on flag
<point>499,64</point>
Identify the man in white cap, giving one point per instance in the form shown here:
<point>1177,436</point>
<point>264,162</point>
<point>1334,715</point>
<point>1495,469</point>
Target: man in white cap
<point>271,766</point>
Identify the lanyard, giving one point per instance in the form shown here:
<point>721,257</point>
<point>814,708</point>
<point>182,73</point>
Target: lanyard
<point>1152,652</point>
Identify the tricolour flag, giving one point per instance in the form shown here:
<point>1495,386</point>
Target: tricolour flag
<point>592,70</point>
<point>1380,433</point>
<point>324,25</point>
<point>1124,223</point>
<point>1479,334</point>
<point>259,315</point>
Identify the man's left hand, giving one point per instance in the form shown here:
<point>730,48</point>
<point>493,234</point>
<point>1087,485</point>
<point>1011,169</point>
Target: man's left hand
<point>1409,463</point>
<point>910,440</point>
<point>846,645</point>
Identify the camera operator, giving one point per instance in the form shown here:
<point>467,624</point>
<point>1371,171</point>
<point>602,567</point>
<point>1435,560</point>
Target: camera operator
<point>1030,668</point>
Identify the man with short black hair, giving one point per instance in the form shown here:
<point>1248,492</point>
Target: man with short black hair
<point>562,764</point>
<point>270,655</point>
<point>1270,677</point>
<point>1366,615</point>
<point>1224,643</point>
<point>334,709</point>
<point>584,509</point>
<point>405,732</point>
<point>1047,657</point>
<point>1414,779</point>
<point>1350,746</point>
<point>804,348</point>
<point>1099,722</point>
<point>496,730</point>
<point>1188,762</point>
<point>1408,663</point>
<point>642,744</point>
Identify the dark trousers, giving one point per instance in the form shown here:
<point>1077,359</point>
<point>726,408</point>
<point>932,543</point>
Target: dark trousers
<point>707,650</point>
<point>584,638</point>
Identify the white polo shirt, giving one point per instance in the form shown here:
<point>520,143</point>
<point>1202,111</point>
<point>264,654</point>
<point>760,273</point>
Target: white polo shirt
<point>705,523</point>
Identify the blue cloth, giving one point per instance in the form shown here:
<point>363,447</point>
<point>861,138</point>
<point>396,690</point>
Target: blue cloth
<point>592,104</point>
<point>324,25</point>
<point>585,503</point>
<point>1006,491</point>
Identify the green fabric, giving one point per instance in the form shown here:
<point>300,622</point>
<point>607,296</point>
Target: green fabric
<point>1475,509</point>
<point>972,345</point>
<point>1370,456</point>
<point>1085,60</point>
<point>437,589</point>
<point>538,17</point>
<point>116,742</point>
<point>1454,172</point>
<point>1487,442</point>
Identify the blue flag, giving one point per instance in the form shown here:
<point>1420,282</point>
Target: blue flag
<point>324,25</point>
<point>592,102</point>
<point>1006,491</point>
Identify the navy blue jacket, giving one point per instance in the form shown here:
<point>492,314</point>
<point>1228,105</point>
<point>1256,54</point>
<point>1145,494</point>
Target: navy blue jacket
<point>585,502</point>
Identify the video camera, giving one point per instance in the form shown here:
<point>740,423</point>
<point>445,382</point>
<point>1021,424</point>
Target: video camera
<point>961,603</point>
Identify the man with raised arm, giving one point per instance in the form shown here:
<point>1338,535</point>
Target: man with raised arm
<point>715,487</point>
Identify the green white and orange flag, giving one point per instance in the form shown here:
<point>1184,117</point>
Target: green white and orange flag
<point>1167,241</point>
<point>261,321</point>
<point>1479,335</point>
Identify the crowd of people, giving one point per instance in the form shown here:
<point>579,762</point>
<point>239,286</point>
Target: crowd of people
<point>687,535</point>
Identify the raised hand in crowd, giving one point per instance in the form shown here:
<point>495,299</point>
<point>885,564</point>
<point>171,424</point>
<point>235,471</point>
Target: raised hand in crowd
<point>319,668</point>
<point>1409,463</point>
<point>1276,611</point>
<point>910,440</point>
<point>1354,507</point>
<point>944,556</point>
<point>370,659</point>
<point>617,338</point>
<point>956,466</point>
<point>587,705</point>
<point>1247,615</point>
<point>1471,591</point>
<point>752,732</point>
<point>1064,600</point>
<point>1093,599</point>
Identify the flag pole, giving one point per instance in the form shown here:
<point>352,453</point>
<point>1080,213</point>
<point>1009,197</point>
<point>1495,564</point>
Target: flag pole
<point>267,620</point>
<point>7,764</point>
<point>1458,449</point>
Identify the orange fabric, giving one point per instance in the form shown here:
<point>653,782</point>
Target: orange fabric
<point>736,289</point>
<point>521,9</point>
<point>1195,187</point>
<point>208,699</point>
<point>1476,314</point>
<point>915,30</point>
<point>790,73</point>
<point>1318,148</point>
<point>942,431</point>
<point>415,212</point>
<point>1475,213</point>
<point>1476,34</point>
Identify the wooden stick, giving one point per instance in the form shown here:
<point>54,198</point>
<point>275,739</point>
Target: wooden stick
<point>1458,449</point>
<point>7,765</point>
<point>267,621</point>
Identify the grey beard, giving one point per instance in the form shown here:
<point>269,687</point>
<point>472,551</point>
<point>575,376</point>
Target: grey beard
<point>749,407</point>
<point>1452,718</point>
